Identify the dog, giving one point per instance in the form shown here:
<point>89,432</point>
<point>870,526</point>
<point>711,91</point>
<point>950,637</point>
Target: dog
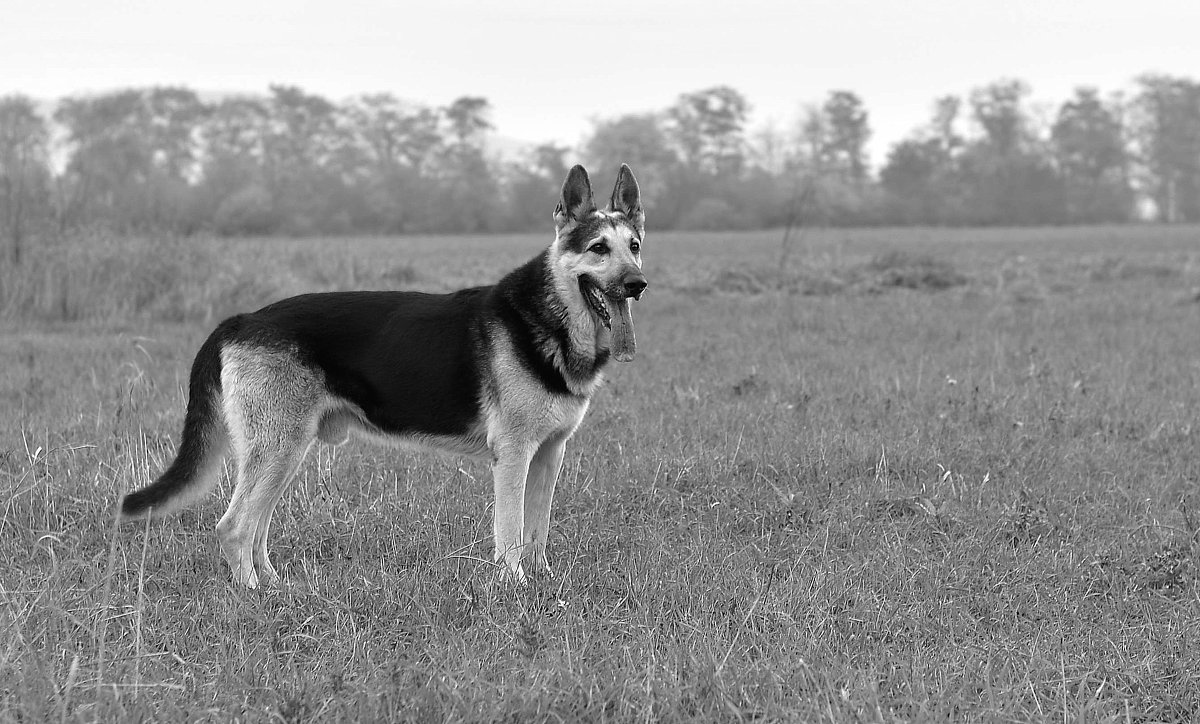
<point>503,372</point>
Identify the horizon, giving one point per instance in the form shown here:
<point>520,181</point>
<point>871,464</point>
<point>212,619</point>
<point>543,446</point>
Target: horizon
<point>525,59</point>
<point>509,145</point>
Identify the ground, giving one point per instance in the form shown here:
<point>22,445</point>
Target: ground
<point>853,475</point>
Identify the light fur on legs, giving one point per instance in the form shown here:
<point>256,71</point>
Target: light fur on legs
<point>509,473</point>
<point>270,404</point>
<point>262,562</point>
<point>539,497</point>
<point>263,475</point>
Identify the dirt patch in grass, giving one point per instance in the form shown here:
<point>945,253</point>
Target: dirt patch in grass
<point>890,270</point>
<point>758,280</point>
<point>912,271</point>
<point>1113,268</point>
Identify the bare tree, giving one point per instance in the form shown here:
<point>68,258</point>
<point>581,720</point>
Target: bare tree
<point>998,109</point>
<point>24,174</point>
<point>847,132</point>
<point>640,141</point>
<point>469,188</point>
<point>708,129</point>
<point>468,118</point>
<point>1166,116</point>
<point>1089,148</point>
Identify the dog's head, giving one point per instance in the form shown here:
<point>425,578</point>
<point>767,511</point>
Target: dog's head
<point>600,251</point>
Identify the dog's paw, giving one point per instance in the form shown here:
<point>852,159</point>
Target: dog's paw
<point>541,570</point>
<point>246,578</point>
<point>511,576</point>
<point>268,578</point>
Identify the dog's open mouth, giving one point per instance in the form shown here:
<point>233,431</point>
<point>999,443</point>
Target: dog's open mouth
<point>595,299</point>
<point>614,314</point>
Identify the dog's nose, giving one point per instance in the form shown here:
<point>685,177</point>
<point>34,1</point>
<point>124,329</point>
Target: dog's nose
<point>635,286</point>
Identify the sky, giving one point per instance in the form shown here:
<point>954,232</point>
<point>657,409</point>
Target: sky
<point>550,69</point>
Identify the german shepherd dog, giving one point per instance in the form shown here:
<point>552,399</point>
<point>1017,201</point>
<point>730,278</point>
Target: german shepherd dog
<point>503,372</point>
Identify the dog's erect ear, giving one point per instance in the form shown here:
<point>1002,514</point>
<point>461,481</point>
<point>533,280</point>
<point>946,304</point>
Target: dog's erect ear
<point>627,198</point>
<point>576,201</point>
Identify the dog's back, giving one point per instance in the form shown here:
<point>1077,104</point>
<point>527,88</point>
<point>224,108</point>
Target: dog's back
<point>409,361</point>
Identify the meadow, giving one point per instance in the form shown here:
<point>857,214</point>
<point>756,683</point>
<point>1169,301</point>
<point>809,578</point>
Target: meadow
<point>853,475</point>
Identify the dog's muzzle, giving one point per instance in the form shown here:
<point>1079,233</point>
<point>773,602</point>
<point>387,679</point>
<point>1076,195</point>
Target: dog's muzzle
<point>635,284</point>
<point>610,305</point>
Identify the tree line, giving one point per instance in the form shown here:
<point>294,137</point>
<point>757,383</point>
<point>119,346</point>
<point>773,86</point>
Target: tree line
<point>291,162</point>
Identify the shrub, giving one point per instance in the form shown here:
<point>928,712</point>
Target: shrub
<point>248,211</point>
<point>914,271</point>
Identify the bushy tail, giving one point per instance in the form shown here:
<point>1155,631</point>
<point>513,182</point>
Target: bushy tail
<point>202,445</point>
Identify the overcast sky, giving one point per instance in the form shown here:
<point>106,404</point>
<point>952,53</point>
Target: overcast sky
<point>548,68</point>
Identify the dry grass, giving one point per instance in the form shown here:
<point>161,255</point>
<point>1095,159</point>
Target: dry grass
<point>966,502</point>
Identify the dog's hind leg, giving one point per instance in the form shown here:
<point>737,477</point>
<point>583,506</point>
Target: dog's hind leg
<point>270,406</point>
<point>539,497</point>
<point>263,473</point>
<point>332,429</point>
<point>272,493</point>
<point>236,529</point>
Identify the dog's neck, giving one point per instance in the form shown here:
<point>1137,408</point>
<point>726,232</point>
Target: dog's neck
<point>566,348</point>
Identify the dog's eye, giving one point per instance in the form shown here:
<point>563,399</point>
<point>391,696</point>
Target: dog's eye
<point>598,248</point>
<point>635,247</point>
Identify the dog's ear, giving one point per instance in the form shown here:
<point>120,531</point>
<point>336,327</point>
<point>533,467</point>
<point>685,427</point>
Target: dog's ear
<point>627,198</point>
<point>576,200</point>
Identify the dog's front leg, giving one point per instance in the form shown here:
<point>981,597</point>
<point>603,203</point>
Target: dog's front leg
<point>539,497</point>
<point>509,473</point>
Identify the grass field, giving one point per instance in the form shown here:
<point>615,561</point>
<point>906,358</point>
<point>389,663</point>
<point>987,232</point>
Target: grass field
<point>885,475</point>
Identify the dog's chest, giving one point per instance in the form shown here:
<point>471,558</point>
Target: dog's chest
<point>529,411</point>
<point>564,415</point>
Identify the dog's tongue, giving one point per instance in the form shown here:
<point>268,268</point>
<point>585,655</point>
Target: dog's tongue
<point>624,346</point>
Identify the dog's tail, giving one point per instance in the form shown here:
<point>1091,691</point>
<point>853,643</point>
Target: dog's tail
<point>202,446</point>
